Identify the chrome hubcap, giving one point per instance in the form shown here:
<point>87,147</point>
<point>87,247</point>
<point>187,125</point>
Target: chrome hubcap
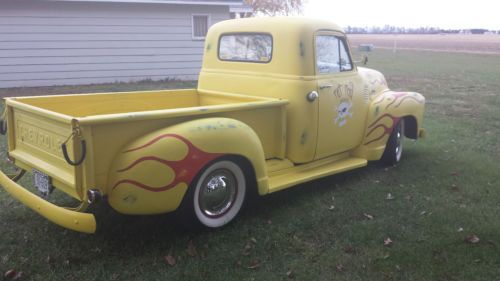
<point>217,193</point>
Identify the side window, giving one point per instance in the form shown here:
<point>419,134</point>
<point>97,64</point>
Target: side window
<point>331,55</point>
<point>345,60</point>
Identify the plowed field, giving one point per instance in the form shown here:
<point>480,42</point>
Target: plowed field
<point>456,43</point>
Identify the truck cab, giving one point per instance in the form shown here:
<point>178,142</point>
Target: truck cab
<point>308,63</point>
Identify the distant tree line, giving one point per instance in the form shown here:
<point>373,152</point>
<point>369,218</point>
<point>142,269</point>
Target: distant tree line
<point>389,29</point>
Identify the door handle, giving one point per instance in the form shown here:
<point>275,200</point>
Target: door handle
<point>324,86</point>
<point>312,96</point>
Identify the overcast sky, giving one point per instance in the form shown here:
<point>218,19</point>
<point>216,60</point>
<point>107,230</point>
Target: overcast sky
<point>446,14</point>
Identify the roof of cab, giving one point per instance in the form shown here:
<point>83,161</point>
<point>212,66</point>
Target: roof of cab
<point>276,24</point>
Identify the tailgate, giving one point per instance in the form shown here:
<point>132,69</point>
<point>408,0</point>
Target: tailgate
<point>35,139</point>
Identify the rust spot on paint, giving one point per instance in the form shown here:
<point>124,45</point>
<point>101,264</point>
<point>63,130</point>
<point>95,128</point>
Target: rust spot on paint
<point>303,138</point>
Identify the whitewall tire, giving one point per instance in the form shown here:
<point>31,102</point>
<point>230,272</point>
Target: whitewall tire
<point>218,194</point>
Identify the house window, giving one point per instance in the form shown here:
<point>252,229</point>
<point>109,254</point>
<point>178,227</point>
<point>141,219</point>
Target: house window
<point>200,26</point>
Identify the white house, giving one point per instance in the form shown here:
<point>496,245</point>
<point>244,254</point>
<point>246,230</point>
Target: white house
<point>64,42</point>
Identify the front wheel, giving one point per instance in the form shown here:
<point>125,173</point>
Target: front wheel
<point>394,148</point>
<point>216,196</point>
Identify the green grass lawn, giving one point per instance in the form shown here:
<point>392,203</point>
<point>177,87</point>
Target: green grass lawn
<point>446,188</point>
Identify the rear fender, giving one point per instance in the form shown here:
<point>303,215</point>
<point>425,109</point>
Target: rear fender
<point>152,173</point>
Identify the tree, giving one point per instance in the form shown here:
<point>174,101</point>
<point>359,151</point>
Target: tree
<point>277,7</point>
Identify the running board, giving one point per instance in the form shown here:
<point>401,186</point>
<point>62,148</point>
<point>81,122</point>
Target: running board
<point>307,172</point>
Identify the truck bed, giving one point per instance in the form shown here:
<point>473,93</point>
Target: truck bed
<point>109,121</point>
<point>86,105</point>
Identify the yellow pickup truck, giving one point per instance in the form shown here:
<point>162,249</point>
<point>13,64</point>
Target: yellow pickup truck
<point>279,102</point>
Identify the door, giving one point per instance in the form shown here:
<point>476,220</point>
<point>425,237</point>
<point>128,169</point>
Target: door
<point>342,107</point>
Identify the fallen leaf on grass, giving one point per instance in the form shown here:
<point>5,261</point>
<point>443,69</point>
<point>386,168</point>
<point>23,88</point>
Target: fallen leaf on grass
<point>388,275</point>
<point>331,207</point>
<point>170,260</point>
<point>473,239</point>
<point>460,229</point>
<point>9,273</point>
<point>349,250</point>
<point>253,240</point>
<point>389,197</point>
<point>246,251</point>
<point>191,249</point>
<point>13,274</point>
<point>339,268</point>
<point>388,241</point>
<point>50,260</point>
<point>255,264</point>
<point>368,216</point>
<point>454,173</point>
<point>289,274</point>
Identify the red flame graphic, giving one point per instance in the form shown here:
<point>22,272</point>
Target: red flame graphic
<point>185,170</point>
<point>396,96</point>
<point>402,96</point>
<point>387,130</point>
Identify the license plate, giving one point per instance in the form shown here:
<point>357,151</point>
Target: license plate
<point>42,182</point>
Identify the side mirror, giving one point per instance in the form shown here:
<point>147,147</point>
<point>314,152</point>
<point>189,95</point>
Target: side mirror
<point>363,60</point>
<point>365,48</point>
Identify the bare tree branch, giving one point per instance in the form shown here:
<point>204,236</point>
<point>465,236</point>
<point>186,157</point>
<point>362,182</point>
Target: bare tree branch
<point>277,7</point>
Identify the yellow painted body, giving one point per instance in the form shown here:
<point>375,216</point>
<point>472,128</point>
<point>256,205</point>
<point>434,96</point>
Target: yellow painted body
<point>145,148</point>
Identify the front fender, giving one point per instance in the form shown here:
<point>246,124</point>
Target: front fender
<point>385,111</point>
<point>152,173</point>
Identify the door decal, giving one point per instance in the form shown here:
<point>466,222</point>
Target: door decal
<point>344,93</point>
<point>343,111</point>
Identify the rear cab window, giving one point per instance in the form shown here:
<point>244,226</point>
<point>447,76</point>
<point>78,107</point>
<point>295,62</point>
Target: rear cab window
<point>246,47</point>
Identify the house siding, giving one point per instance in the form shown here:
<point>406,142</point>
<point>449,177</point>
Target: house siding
<point>68,43</point>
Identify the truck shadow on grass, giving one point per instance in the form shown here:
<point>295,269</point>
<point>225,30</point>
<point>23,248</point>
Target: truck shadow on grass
<point>265,211</point>
<point>113,224</point>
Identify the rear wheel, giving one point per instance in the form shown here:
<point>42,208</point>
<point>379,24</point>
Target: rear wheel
<point>394,148</point>
<point>217,195</point>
